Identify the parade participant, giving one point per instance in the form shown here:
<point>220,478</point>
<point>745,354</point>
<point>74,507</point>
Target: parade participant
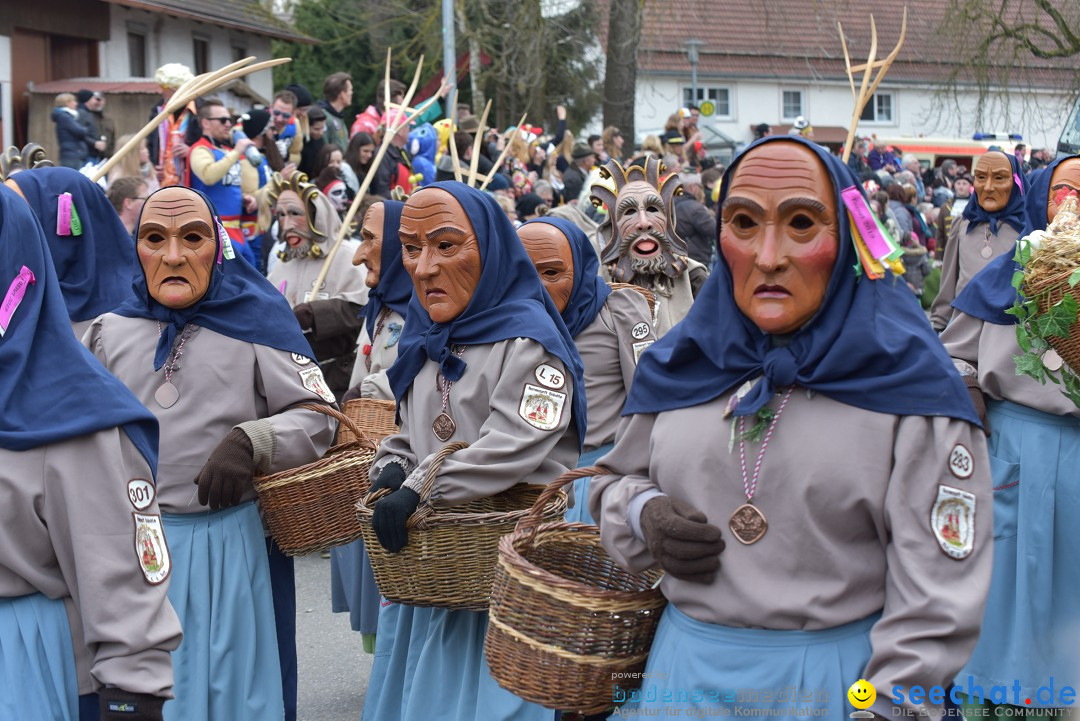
<point>990,225</point>
<point>167,147</point>
<point>83,563</point>
<point>308,224</point>
<point>91,250</point>
<point>484,359</point>
<point>858,543</point>
<point>609,328</point>
<point>641,245</point>
<point>213,350</point>
<point>352,583</point>
<point>1034,454</point>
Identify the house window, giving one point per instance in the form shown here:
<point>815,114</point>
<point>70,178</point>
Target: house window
<point>719,97</point>
<point>136,43</point>
<point>792,104</point>
<point>201,49</point>
<point>239,53</point>
<point>879,109</point>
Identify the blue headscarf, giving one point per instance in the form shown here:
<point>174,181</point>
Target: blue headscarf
<point>868,345</point>
<point>590,292</point>
<point>52,388</point>
<point>94,268</point>
<point>508,302</point>
<point>990,293</point>
<point>1012,213</point>
<point>239,302</point>
<point>395,288</point>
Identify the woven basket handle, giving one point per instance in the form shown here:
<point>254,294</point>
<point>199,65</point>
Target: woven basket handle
<point>425,508</point>
<point>341,418</point>
<point>531,521</point>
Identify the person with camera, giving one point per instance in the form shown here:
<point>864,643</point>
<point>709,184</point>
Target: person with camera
<point>215,169</point>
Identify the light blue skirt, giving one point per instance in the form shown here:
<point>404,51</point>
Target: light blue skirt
<point>37,661</point>
<point>352,586</point>
<point>441,652</point>
<point>580,512</point>
<point>695,665</point>
<point>1031,628</point>
<point>227,665</point>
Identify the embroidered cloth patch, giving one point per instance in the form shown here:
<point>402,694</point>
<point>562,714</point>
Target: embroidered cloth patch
<point>961,462</point>
<point>541,408</point>
<point>953,521</point>
<point>151,549</point>
<point>313,380</point>
<point>639,348</point>
<point>141,493</point>
<point>549,376</point>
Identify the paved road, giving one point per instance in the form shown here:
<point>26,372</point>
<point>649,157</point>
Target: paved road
<point>333,667</point>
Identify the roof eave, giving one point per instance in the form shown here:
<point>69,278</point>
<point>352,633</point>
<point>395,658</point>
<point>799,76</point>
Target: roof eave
<point>281,34</point>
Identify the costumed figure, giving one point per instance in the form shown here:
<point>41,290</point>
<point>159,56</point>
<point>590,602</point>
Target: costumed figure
<point>91,250</point>
<point>641,245</point>
<point>167,145</point>
<point>1029,629</point>
<point>484,359</point>
<point>352,583</point>
<point>307,224</point>
<point>991,223</point>
<point>81,608</point>
<point>610,329</point>
<point>788,559</point>
<point>423,142</point>
<point>214,351</point>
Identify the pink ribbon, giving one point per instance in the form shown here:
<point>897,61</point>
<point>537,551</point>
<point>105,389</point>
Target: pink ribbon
<point>865,223</point>
<point>63,214</point>
<point>14,297</point>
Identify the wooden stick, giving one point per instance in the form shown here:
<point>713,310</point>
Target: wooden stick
<point>391,130</point>
<point>847,62</point>
<point>477,144</point>
<point>453,143</point>
<point>386,85</point>
<point>178,101</point>
<point>867,88</point>
<point>860,99</point>
<point>502,157</point>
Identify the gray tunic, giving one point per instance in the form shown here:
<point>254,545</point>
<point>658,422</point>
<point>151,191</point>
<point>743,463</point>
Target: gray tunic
<point>69,532</point>
<point>609,348</point>
<point>987,349</point>
<point>491,405</point>
<point>370,370</point>
<point>344,281</point>
<point>669,311</point>
<point>963,259</point>
<point>849,495</point>
<point>223,383</point>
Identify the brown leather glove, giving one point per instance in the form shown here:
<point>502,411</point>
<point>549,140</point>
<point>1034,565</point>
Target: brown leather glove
<point>979,401</point>
<point>228,471</point>
<point>119,705</point>
<point>681,539</point>
<point>305,316</point>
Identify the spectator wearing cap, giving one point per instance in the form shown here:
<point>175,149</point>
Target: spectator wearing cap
<point>304,103</point>
<point>168,151</point>
<point>75,139</point>
<point>86,118</point>
<point>286,130</point>
<point>316,139</point>
<point>584,157</point>
<point>105,127</point>
<point>127,195</point>
<point>337,95</point>
<point>693,222</point>
<point>257,125</point>
<point>530,206</point>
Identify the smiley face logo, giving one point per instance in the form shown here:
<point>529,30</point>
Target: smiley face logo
<point>862,694</point>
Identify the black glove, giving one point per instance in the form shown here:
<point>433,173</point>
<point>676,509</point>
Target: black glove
<point>681,539</point>
<point>118,705</point>
<point>391,476</point>
<point>390,516</point>
<point>978,400</point>
<point>352,394</point>
<point>305,316</point>
<point>228,471</point>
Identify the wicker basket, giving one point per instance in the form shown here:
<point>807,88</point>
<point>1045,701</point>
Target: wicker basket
<point>450,559</point>
<point>310,508</point>
<point>649,297</point>
<point>564,618</point>
<point>1049,291</point>
<point>374,417</point>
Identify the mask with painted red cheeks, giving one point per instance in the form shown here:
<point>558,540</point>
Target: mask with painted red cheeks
<point>370,251</point>
<point>1064,183</point>
<point>549,250</point>
<point>176,245</point>
<point>779,235</point>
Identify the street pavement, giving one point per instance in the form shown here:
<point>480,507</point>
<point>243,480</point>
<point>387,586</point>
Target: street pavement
<point>333,668</point>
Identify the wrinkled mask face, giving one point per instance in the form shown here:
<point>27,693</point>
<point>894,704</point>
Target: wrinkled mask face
<point>441,252</point>
<point>549,249</point>
<point>993,181</point>
<point>779,235</point>
<point>1064,182</point>
<point>293,226</point>
<point>338,196</point>
<point>177,248</point>
<point>645,252</point>
<point>370,251</point>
